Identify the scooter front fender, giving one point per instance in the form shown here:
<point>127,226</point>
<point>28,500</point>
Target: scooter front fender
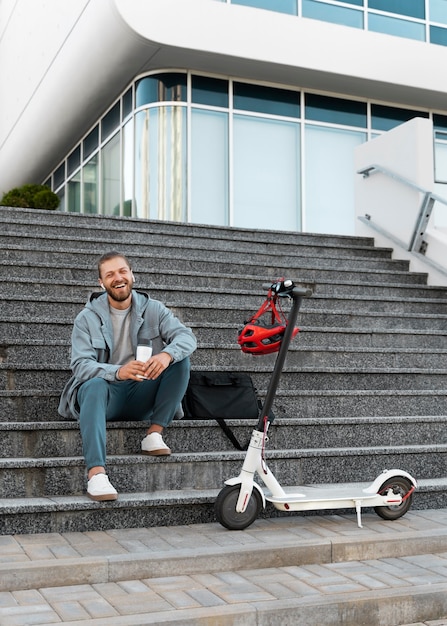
<point>238,480</point>
<point>385,475</point>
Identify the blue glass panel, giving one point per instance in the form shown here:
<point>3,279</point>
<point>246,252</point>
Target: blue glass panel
<point>335,110</point>
<point>439,122</point>
<point>266,100</point>
<point>438,35</point>
<point>91,142</point>
<point>59,176</point>
<point>331,13</point>
<point>412,8</point>
<point>110,121</point>
<point>438,11</point>
<point>280,6</point>
<point>161,88</point>
<point>212,91</point>
<point>358,3</point>
<point>127,103</point>
<point>396,27</point>
<point>386,118</point>
<point>74,160</point>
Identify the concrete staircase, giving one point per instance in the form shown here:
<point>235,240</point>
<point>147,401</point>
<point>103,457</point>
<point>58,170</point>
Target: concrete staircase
<point>363,389</point>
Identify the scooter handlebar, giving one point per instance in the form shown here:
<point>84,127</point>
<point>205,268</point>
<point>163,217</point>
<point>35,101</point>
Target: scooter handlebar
<point>296,292</point>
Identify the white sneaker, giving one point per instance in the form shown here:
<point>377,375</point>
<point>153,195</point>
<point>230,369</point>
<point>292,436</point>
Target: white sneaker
<point>154,445</point>
<point>99,488</point>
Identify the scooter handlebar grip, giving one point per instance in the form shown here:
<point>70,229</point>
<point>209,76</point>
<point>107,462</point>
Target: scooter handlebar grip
<point>304,292</point>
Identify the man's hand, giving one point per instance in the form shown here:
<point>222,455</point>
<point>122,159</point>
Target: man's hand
<point>150,370</point>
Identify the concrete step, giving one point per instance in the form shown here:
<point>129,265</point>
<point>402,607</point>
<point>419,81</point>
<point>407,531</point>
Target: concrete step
<point>37,306</point>
<point>71,513</point>
<point>26,286</point>
<point>40,439</point>
<point>29,405</point>
<point>218,353</point>
<point>19,254</point>
<point>27,477</point>
<point>59,222</point>
<point>178,269</point>
<point>52,376</point>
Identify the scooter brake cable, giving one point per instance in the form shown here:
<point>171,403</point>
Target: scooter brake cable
<point>264,439</point>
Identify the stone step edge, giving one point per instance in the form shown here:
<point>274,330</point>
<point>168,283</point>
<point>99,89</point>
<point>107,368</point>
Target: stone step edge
<point>63,219</point>
<point>256,237</point>
<point>363,545</point>
<point>220,456</point>
<point>311,282</point>
<point>279,421</point>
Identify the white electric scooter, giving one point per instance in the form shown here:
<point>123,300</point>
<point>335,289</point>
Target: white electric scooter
<point>239,503</point>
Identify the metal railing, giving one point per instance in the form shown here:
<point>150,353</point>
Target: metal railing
<point>416,244</point>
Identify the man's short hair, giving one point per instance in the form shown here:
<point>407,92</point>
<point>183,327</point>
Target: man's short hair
<point>111,255</point>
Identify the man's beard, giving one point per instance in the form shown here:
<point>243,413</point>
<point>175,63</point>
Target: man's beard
<point>119,295</point>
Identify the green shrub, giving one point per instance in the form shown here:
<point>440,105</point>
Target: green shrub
<point>32,197</point>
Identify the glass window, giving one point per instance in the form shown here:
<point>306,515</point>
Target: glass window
<point>439,121</point>
<point>438,35</point>
<point>358,3</point>
<point>110,121</point>
<point>211,91</point>
<point>127,104</point>
<point>161,88</point>
<point>209,167</point>
<point>111,177</point>
<point>385,118</point>
<point>332,13</point>
<point>91,142</point>
<point>74,161</point>
<point>74,194</point>
<point>59,176</point>
<point>438,11</point>
<point>259,99</point>
<point>160,163</point>
<point>61,196</point>
<point>335,110</point>
<point>396,27</point>
<point>128,168</point>
<point>266,187</point>
<point>329,167</point>
<point>280,6</point>
<point>90,185</point>
<point>411,8</point>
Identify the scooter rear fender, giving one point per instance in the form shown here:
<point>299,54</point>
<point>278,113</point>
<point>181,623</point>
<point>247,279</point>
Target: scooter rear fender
<point>385,475</point>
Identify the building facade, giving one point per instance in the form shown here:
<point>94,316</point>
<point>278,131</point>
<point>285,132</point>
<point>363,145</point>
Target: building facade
<point>233,112</point>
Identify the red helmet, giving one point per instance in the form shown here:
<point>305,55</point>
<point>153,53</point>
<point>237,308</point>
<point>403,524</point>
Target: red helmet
<point>264,337</point>
<point>257,337</point>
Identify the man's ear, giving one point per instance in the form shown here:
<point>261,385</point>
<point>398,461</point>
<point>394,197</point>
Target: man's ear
<point>101,283</point>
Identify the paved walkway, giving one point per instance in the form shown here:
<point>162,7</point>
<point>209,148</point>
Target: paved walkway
<point>300,570</point>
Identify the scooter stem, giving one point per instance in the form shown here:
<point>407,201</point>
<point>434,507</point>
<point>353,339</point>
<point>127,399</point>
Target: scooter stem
<point>297,296</point>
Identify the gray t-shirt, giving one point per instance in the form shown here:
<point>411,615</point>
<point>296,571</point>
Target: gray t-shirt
<point>122,347</point>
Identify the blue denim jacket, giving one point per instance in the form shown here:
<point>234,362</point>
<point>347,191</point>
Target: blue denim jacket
<point>92,341</point>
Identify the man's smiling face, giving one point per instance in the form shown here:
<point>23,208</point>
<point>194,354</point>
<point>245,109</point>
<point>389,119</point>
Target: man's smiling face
<point>117,279</point>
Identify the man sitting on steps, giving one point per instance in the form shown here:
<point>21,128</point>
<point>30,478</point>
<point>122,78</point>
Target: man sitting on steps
<point>108,383</point>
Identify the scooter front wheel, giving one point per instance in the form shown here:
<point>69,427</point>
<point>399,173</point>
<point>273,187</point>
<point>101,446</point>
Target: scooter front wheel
<point>400,486</point>
<point>225,508</point>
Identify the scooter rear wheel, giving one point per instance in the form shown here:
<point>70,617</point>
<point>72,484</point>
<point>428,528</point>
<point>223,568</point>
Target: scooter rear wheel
<point>400,485</point>
<point>225,508</point>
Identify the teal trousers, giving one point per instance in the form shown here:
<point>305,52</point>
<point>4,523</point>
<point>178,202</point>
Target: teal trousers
<point>152,401</point>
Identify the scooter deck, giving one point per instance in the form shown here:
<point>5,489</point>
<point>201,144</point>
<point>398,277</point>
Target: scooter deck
<point>311,493</point>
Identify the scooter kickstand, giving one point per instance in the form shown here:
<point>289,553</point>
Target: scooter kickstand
<point>358,508</point>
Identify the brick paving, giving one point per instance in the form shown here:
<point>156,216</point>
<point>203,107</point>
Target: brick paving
<point>204,574</point>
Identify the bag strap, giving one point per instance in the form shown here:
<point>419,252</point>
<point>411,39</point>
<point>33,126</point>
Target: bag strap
<point>231,436</point>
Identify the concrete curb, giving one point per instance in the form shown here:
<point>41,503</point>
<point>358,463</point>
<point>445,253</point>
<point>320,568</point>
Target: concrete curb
<point>119,567</point>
